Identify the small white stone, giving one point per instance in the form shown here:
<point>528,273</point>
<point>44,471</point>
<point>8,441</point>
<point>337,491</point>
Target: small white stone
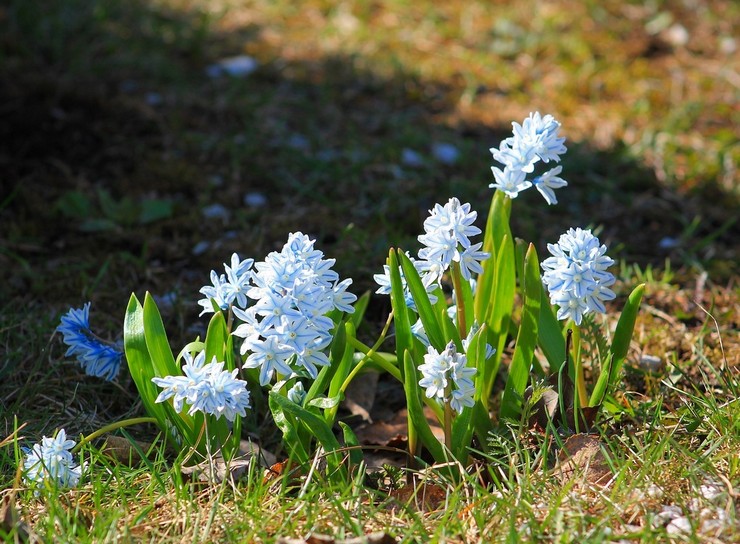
<point>677,35</point>
<point>411,158</point>
<point>680,525</point>
<point>238,66</point>
<point>201,247</point>
<point>668,514</point>
<point>655,492</point>
<point>255,199</point>
<point>445,153</point>
<point>710,491</point>
<point>216,211</point>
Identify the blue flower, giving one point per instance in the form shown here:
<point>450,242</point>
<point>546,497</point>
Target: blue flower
<point>576,275</point>
<point>536,139</point>
<point>52,460</point>
<point>439,369</point>
<point>207,388</point>
<point>227,289</point>
<point>96,357</point>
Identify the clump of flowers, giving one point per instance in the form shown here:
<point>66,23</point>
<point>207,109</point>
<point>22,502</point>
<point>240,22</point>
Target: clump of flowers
<point>576,275</point>
<point>96,357</point>
<point>287,329</point>
<point>536,139</point>
<point>52,460</point>
<point>229,288</point>
<point>446,377</point>
<point>207,388</point>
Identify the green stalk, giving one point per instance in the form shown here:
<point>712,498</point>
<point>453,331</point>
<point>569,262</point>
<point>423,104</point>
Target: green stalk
<point>578,368</point>
<point>459,301</point>
<point>368,354</point>
<point>112,427</point>
<point>448,416</point>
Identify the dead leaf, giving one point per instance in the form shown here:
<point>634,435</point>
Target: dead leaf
<point>425,497</point>
<point>581,455</point>
<point>215,470</point>
<point>394,433</point>
<point>360,395</point>
<point>11,522</point>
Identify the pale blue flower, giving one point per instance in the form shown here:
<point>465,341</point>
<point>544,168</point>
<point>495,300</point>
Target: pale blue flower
<point>297,393</point>
<point>229,288</point>
<point>536,139</point>
<point>52,460</point>
<point>207,388</point>
<point>471,259</point>
<point>341,298</point>
<point>441,368</point>
<point>576,275</point>
<point>549,181</point>
<point>96,357</point>
<point>510,181</point>
<point>270,356</point>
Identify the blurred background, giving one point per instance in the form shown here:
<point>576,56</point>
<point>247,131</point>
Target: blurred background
<point>145,141</point>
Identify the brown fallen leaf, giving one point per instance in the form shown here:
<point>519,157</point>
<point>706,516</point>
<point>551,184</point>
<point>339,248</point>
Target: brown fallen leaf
<point>424,497</point>
<point>215,470</point>
<point>12,524</point>
<point>582,456</point>
<point>360,395</point>
<point>123,450</point>
<point>394,432</point>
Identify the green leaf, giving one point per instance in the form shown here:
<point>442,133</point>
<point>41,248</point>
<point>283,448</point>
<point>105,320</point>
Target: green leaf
<point>462,426</point>
<point>142,369</point>
<point>336,353</point>
<point>313,423</point>
<point>325,403</point>
<point>623,333</point>
<point>287,424</point>
<point>350,440</point>
<point>423,306</point>
<point>416,411</point>
<point>404,339</point>
<point>526,340</point>
<point>217,337</point>
<point>156,340</point>
<point>154,209</point>
<point>602,384</point>
<point>551,339</point>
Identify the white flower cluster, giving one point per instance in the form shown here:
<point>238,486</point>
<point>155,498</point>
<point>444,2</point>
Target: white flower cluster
<point>441,369</point>
<point>207,388</point>
<point>230,288</point>
<point>576,275</point>
<point>536,139</point>
<point>446,239</point>
<point>294,290</point>
<point>52,460</point>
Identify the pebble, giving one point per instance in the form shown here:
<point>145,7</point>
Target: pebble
<point>200,248</point>
<point>651,363</point>
<point>255,199</point>
<point>238,66</point>
<point>411,158</point>
<point>216,211</point>
<point>445,153</point>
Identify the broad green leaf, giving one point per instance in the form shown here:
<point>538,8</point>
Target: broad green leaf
<point>336,353</point>
<point>340,375</point>
<point>462,426</point>
<point>423,306</point>
<point>216,338</point>
<point>602,384</point>
<point>287,424</point>
<point>314,424</point>
<point>142,369</point>
<point>623,333</point>
<point>404,339</point>
<point>325,402</point>
<point>551,339</point>
<point>156,340</point>
<point>417,419</point>
<point>350,440</point>
<point>526,340</point>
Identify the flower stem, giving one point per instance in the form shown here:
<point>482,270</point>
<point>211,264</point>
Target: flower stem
<point>368,354</point>
<point>110,428</point>
<point>578,378</point>
<point>459,300</point>
<point>448,416</point>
